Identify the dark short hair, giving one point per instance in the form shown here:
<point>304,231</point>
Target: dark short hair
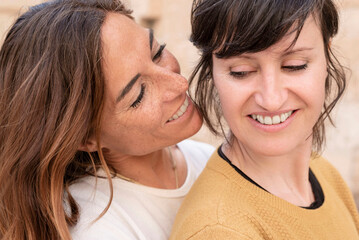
<point>234,27</point>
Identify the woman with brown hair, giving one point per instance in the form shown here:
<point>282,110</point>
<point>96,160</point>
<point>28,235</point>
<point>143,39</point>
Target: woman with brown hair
<point>92,110</point>
<point>267,67</point>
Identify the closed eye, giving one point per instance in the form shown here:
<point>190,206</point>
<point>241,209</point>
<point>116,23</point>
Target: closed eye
<point>137,102</point>
<point>159,52</point>
<point>241,74</point>
<point>293,68</point>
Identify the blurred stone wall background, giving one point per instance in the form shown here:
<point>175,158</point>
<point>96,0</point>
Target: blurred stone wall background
<point>170,20</point>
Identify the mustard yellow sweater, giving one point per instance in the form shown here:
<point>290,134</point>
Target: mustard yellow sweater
<point>224,205</point>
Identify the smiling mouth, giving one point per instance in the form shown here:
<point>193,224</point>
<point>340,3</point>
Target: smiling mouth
<point>274,120</point>
<point>181,111</point>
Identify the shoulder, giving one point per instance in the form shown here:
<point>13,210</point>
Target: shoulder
<point>95,220</point>
<point>333,185</point>
<point>89,188</point>
<point>92,197</point>
<point>325,170</point>
<point>195,151</point>
<point>208,191</point>
<point>212,204</point>
<point>216,231</point>
<point>107,227</point>
<point>196,148</point>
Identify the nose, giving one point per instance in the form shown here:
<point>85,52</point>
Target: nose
<point>171,82</point>
<point>272,92</point>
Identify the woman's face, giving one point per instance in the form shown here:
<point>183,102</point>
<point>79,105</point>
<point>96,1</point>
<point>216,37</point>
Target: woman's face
<point>272,99</point>
<point>146,106</point>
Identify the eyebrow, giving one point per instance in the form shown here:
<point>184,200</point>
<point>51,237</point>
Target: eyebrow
<point>151,38</point>
<point>297,50</point>
<point>286,53</point>
<point>129,85</point>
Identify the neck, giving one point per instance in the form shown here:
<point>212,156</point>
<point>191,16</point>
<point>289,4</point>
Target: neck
<point>285,176</point>
<point>155,169</point>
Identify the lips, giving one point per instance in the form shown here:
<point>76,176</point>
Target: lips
<point>180,111</point>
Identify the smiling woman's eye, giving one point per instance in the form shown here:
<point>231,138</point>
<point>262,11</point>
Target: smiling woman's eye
<point>240,74</point>
<point>293,68</point>
<point>241,70</point>
<point>137,102</point>
<point>159,52</point>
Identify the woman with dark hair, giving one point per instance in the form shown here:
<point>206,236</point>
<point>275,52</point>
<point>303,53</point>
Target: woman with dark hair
<point>268,68</point>
<point>92,110</point>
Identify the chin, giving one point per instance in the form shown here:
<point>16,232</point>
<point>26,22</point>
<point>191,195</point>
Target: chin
<point>192,130</point>
<point>267,149</point>
<point>196,125</point>
<point>282,150</point>
<point>188,132</point>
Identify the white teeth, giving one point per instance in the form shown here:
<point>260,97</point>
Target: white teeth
<point>175,116</point>
<point>180,112</point>
<point>183,108</point>
<point>260,119</point>
<point>276,119</point>
<point>267,120</point>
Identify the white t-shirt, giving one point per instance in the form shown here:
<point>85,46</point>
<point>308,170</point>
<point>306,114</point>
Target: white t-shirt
<point>136,211</point>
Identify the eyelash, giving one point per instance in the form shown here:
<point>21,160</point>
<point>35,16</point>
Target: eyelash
<point>137,102</point>
<point>159,52</point>
<point>291,68</point>
<point>239,74</point>
<point>295,67</point>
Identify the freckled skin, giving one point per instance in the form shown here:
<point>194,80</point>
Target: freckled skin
<point>128,131</point>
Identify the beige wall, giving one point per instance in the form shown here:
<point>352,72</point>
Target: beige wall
<point>170,20</point>
<point>343,141</point>
<point>9,10</point>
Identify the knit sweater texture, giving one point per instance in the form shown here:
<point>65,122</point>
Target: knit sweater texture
<point>224,205</point>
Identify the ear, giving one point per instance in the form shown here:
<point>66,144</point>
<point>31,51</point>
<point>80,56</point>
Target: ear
<point>89,146</point>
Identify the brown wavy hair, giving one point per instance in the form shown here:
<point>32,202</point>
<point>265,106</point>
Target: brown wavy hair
<point>51,100</point>
<point>233,27</point>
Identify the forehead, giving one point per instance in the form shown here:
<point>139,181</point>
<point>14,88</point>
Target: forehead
<point>124,46</point>
<point>309,36</point>
<point>121,34</point>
